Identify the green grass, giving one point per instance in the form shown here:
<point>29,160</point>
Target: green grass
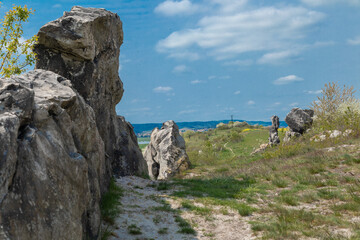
<point>226,187</point>
<point>277,184</point>
<point>134,230</point>
<point>163,231</point>
<point>198,210</point>
<point>110,207</point>
<point>184,226</point>
<point>110,203</point>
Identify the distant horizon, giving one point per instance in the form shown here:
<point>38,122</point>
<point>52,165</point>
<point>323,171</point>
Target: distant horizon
<point>205,121</point>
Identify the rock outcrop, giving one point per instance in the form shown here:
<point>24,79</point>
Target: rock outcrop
<point>52,160</point>
<point>61,139</point>
<point>273,131</point>
<point>166,155</point>
<point>84,47</point>
<point>299,121</point>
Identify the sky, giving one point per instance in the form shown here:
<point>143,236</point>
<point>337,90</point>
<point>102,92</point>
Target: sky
<point>199,60</point>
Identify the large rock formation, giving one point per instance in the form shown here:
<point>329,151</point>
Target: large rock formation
<point>52,161</point>
<point>299,121</point>
<point>84,46</point>
<point>273,131</point>
<point>61,140</point>
<point>166,155</point>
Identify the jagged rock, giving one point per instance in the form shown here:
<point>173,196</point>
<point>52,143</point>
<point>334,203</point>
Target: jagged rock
<point>166,155</point>
<point>52,160</point>
<point>273,131</point>
<point>84,46</point>
<point>299,120</point>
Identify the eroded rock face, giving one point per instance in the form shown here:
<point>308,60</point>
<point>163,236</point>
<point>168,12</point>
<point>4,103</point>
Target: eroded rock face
<point>52,160</point>
<point>166,155</point>
<point>84,46</point>
<point>130,155</point>
<point>299,120</point>
<point>273,131</point>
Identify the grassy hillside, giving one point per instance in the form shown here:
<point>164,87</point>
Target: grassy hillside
<point>300,190</point>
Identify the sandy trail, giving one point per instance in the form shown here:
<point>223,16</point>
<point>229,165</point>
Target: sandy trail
<point>139,205</point>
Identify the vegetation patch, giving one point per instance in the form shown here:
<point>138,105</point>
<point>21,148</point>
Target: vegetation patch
<point>185,227</point>
<point>110,203</point>
<point>134,230</point>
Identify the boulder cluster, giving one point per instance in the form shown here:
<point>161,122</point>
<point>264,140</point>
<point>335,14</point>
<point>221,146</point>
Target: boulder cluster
<point>61,140</point>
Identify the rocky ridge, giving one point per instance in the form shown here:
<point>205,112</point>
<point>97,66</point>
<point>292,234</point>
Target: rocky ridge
<point>61,138</point>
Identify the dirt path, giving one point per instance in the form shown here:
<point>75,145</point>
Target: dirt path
<point>151,214</point>
<point>230,149</point>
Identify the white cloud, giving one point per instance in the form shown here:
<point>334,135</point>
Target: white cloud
<point>294,104</point>
<point>197,82</point>
<point>57,6</point>
<point>237,92</point>
<point>287,80</point>
<point>180,69</point>
<point>229,34</point>
<point>354,41</point>
<point>314,92</point>
<point>211,77</point>
<point>317,3</point>
<point>251,102</point>
<point>277,57</point>
<point>161,89</point>
<point>173,8</point>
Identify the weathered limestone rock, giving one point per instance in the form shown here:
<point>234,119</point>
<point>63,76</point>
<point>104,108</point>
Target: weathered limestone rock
<point>84,46</point>
<point>273,131</point>
<point>166,155</point>
<point>52,163</point>
<point>299,120</point>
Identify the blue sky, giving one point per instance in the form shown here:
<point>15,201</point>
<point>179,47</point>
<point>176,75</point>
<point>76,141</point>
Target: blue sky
<point>190,60</point>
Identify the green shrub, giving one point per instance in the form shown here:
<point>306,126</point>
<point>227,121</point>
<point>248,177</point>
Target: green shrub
<point>336,108</point>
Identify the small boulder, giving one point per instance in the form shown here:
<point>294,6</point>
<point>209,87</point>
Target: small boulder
<point>166,155</point>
